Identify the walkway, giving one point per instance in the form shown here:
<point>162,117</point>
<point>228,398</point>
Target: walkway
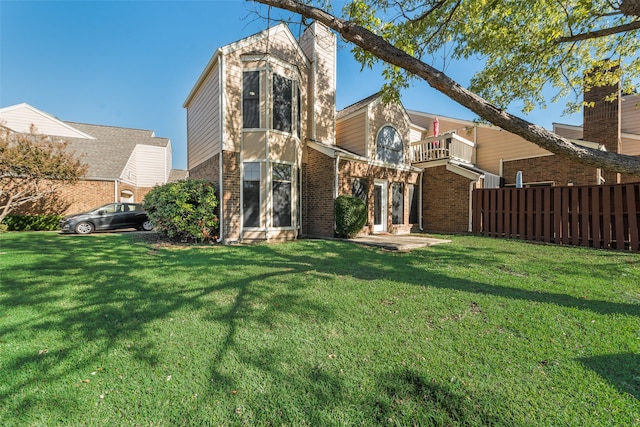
<point>398,242</point>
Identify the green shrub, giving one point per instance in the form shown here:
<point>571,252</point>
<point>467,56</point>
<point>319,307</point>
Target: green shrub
<point>31,222</point>
<point>184,210</point>
<point>351,216</point>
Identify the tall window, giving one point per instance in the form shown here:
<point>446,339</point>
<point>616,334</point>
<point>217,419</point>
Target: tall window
<point>281,184</point>
<point>389,146</point>
<point>397,197</point>
<point>251,195</point>
<point>359,189</point>
<point>251,99</point>
<point>282,103</point>
<point>413,203</point>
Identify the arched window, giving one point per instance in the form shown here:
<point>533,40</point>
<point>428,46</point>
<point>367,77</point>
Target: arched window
<point>389,146</point>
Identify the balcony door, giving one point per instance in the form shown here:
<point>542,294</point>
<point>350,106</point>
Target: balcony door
<point>380,206</point>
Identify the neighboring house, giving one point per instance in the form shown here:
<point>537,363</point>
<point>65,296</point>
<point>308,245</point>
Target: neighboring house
<point>262,124</point>
<point>123,164</point>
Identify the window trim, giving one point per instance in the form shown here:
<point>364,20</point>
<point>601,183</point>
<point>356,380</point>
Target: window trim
<point>403,153</point>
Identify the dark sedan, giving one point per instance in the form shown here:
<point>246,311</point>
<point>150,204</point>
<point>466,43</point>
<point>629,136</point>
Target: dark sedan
<point>108,217</point>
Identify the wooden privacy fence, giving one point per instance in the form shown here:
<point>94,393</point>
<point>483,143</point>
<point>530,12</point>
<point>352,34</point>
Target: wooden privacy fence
<point>605,216</point>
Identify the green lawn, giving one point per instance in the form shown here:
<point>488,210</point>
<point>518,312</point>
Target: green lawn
<point>111,329</point>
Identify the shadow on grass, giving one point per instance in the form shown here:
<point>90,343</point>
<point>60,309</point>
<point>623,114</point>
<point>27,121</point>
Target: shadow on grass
<point>620,370</point>
<point>107,289</point>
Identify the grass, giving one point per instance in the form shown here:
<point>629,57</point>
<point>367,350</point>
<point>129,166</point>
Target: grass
<point>109,329</point>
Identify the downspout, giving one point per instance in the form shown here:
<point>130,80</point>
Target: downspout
<point>471,185</point>
<point>335,187</point>
<point>115,191</point>
<point>221,119</point>
<point>420,226</point>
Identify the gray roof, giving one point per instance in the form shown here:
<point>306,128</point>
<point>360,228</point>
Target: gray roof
<point>178,175</point>
<point>107,155</point>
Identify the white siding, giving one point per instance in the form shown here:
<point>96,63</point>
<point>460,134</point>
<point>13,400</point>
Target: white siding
<point>150,165</point>
<point>19,118</point>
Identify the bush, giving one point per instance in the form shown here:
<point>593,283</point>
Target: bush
<point>31,222</point>
<point>351,216</point>
<point>184,210</point>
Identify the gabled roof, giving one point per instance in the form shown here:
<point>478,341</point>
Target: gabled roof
<point>350,109</point>
<point>235,46</point>
<point>371,100</point>
<point>21,117</point>
<point>108,153</point>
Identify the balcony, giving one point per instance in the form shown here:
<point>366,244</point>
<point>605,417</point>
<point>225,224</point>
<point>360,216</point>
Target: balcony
<point>446,146</point>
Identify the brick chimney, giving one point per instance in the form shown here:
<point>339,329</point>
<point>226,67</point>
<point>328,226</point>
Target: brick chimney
<point>602,121</point>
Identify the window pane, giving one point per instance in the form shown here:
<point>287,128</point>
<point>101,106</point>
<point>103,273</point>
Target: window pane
<point>359,189</point>
<point>397,190</point>
<point>282,107</point>
<point>413,201</point>
<point>251,99</point>
<point>281,183</point>
<point>389,147</point>
<point>251,195</point>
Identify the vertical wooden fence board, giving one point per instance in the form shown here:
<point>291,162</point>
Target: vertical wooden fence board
<point>500,213</point>
<point>632,210</point>
<point>618,201</point>
<point>507,213</point>
<point>487,214</point>
<point>528,220</point>
<point>596,217</point>
<point>585,215</point>
<point>514,211</point>
<point>539,209</point>
<point>574,214</point>
<point>521,212</point>
<point>547,231</point>
<point>606,216</point>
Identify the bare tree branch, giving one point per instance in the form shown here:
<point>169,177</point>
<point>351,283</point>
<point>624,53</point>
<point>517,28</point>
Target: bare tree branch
<point>441,82</point>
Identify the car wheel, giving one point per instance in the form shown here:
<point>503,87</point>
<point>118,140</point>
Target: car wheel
<point>84,227</point>
<point>147,225</point>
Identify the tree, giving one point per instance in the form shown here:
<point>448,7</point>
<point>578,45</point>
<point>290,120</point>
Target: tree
<point>32,167</point>
<point>525,44</point>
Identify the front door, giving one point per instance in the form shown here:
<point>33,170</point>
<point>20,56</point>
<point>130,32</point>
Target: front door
<point>380,206</point>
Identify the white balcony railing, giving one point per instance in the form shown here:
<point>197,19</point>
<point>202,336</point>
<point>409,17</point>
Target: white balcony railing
<point>444,146</point>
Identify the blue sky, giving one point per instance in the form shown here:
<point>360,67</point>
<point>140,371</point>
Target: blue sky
<point>133,63</point>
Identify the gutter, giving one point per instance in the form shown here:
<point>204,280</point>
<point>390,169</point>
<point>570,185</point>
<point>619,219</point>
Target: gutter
<point>420,225</point>
<point>335,187</point>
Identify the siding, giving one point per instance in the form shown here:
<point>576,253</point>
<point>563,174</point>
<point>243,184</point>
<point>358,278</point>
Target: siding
<point>631,146</point>
<point>494,144</point>
<point>388,114</point>
<point>631,114</point>
<point>148,158</point>
<point>203,123</point>
<point>351,133</point>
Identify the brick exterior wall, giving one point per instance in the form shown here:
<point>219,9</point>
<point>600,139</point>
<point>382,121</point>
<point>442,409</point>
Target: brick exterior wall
<point>601,123</point>
<point>550,168</point>
<point>317,194</point>
<point>231,209</point>
<point>350,169</point>
<point>81,197</point>
<point>445,201</point>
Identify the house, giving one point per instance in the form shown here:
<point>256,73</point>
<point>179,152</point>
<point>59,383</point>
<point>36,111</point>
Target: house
<point>123,164</point>
<point>262,124</point>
